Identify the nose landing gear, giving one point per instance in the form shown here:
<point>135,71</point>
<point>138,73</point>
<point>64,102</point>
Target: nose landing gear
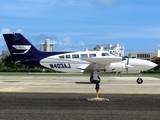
<point>139,80</point>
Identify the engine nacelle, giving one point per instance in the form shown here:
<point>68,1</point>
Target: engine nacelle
<point>116,67</point>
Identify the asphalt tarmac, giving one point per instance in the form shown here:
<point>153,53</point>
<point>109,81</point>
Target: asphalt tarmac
<point>59,98</point>
<point>27,106</point>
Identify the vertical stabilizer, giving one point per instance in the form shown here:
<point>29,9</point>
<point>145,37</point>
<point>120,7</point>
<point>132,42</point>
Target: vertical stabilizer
<point>20,48</point>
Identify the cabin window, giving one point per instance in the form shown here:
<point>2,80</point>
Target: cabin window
<point>61,57</point>
<point>75,56</point>
<point>105,54</point>
<point>92,55</point>
<point>84,55</point>
<point>68,56</point>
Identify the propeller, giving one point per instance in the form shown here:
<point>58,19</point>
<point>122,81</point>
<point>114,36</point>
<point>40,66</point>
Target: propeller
<point>127,66</point>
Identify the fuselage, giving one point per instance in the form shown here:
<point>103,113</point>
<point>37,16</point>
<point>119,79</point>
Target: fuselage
<point>78,61</point>
<point>75,62</point>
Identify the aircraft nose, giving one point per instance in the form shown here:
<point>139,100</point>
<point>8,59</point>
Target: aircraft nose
<point>148,64</point>
<point>153,65</point>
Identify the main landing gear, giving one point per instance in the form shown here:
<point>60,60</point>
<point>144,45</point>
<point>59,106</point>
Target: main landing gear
<point>94,77</point>
<point>139,80</point>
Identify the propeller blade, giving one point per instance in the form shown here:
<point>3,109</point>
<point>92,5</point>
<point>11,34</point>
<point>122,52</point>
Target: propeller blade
<point>127,65</point>
<point>128,61</point>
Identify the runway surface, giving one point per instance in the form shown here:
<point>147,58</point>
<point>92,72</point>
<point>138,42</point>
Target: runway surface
<point>47,98</point>
<point>62,84</point>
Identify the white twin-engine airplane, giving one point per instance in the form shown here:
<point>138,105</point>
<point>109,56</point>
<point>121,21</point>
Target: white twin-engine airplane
<point>22,51</point>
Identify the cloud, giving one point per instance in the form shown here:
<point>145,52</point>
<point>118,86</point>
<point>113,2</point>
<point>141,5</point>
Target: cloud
<point>43,36</point>
<point>67,44</point>
<point>19,31</point>
<point>4,30</point>
<point>107,3</point>
<point>67,41</point>
<point>61,42</point>
<point>7,30</point>
<point>81,43</point>
<point>38,8</point>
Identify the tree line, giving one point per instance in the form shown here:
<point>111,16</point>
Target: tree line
<point>8,65</point>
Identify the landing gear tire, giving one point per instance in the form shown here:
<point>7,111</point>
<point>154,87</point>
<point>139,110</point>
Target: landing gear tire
<point>139,80</point>
<point>95,81</point>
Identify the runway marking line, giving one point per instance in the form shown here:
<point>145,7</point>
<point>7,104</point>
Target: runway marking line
<point>109,93</point>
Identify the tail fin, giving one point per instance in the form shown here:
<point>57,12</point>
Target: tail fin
<point>20,48</point>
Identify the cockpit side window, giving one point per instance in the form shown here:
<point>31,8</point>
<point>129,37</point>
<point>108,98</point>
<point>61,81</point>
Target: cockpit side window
<point>105,54</point>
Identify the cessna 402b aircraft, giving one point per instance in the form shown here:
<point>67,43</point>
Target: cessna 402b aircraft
<point>22,51</point>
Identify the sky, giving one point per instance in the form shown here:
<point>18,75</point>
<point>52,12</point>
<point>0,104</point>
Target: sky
<point>73,25</point>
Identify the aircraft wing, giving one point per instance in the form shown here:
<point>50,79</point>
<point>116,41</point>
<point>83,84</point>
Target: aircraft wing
<point>99,63</point>
<point>103,60</point>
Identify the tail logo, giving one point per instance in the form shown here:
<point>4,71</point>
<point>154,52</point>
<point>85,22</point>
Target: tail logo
<point>21,49</point>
